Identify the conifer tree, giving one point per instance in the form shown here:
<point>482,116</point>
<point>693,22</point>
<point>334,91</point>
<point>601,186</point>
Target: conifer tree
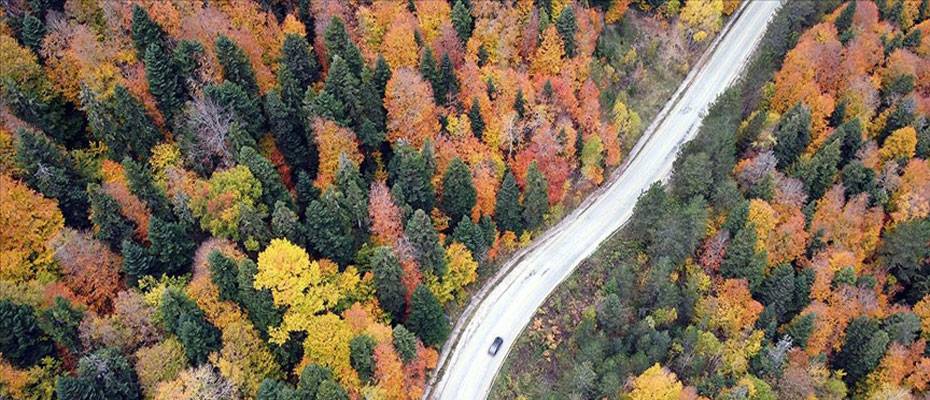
<point>411,169</point>
<point>245,110</point>
<point>447,83</point>
<point>471,235</point>
<point>21,341</point>
<point>32,32</point>
<point>567,26</point>
<point>259,304</point>
<point>388,282</point>
<point>344,86</point>
<point>354,191</point>
<point>307,192</point>
<point>236,66</point>
<point>427,318</point>
<point>535,198</point>
<point>288,133</point>
<point>121,122</point>
<point>462,20</point>
<point>163,80</point>
<point>298,59</point>
<point>742,261</point>
<point>862,349</point>
<point>458,191</point>
<point>182,317</point>
<point>329,228</point>
<point>50,170</point>
<point>338,43</point>
<point>381,76</point>
<point>188,57</point>
<point>61,322</point>
<point>142,184</point>
<point>425,241</point>
<point>172,246</point>
<point>474,116</point>
<point>137,261</point>
<point>405,343</point>
<point>792,134</point>
<point>429,70</point>
<point>286,224</point>
<point>273,189</point>
<point>519,104</point>
<point>508,213</point>
<point>110,226</point>
<point>361,356</point>
<point>145,32</point>
<point>104,374</point>
<point>224,272</point>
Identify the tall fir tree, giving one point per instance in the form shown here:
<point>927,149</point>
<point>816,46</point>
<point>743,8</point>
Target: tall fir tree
<point>863,347</point>
<point>381,76</point>
<point>121,122</point>
<point>427,318</point>
<point>137,262</point>
<point>508,212</point>
<point>141,183</point>
<point>22,342</point>
<point>162,75</point>
<point>535,198</point>
<point>425,241</point>
<point>273,190</point>
<point>339,43</point>
<point>793,133</point>
<point>519,104</point>
<point>51,171</point>
<point>413,172</point>
<point>477,121</point>
<point>458,191</point>
<point>245,110</point>
<point>566,25</point>
<point>258,304</point>
<point>110,226</point>
<point>286,224</point>
<point>298,58</point>
<point>742,261</point>
<point>104,374</point>
<point>32,32</point>
<point>447,85</point>
<point>388,280</point>
<point>236,65</point>
<point>172,245</point>
<point>145,32</point>
<point>462,20</point>
<point>329,228</point>
<point>188,57</point>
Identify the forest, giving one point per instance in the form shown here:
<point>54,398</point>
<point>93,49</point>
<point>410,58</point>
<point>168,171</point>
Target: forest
<point>788,257</point>
<point>290,199</point>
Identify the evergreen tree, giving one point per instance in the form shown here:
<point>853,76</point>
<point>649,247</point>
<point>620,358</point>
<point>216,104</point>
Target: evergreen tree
<point>142,184</point>
<point>105,374</point>
<point>339,44</point>
<point>818,174</point>
<point>273,389</point>
<point>273,190</point>
<point>430,71</point>
<point>800,328</point>
<point>862,349</point>
<point>110,226</point>
<point>777,291</point>
<point>851,134</point>
<point>182,317</point>
<point>567,26</point>
<point>137,262</point>
<point>286,224</point>
<point>793,133</point>
<point>188,57</point>
<point>236,66</point>
<point>145,32</point>
<point>307,192</point>
<point>61,322</point>
<point>427,319</point>
<point>508,213</point>
<point>121,122</point>
<point>298,59</point>
<point>904,252</point>
<point>388,282</point>
<point>845,20</point>
<point>245,110</point>
<point>164,83</point>
<point>474,116</point>
<point>472,236</point>
<point>258,304</point>
<point>447,84</point>
<point>483,56</point>
<point>354,191</point>
<point>311,378</point>
<point>458,191</point>
<point>288,133</point>
<point>535,198</point>
<point>405,343</point>
<point>172,246</point>
<point>362,356</point>
<point>225,275</point>
<point>329,228</point>
<point>462,20</point>
<point>372,124</point>
<point>32,32</point>
<point>381,76</point>
<point>519,104</point>
<point>50,170</point>
<point>430,255</point>
<point>331,390</point>
<point>411,169</point>
<point>21,341</point>
<point>742,261</point>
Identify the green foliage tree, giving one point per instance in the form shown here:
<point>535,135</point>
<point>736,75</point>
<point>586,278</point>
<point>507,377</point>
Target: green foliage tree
<point>692,176</point>
<point>307,192</point>
<point>472,236</point>
<point>566,25</point>
<point>845,21</point>
<point>121,122</point>
<point>110,225</point>
<point>742,261</point>
<point>32,32</point>
<point>792,134</point>
<point>477,122</point>
<point>236,66</point>
<point>423,238</point>
<point>405,343</point>
<point>225,275</point>
<point>311,378</point>
<point>141,183</point>
<point>273,389</point>
<point>412,170</point>
<point>458,191</point>
<point>137,261</point>
<point>188,56</point>
<point>61,322</point>
<point>388,282</point>
<point>462,20</point>
<point>145,32</point>
<point>298,59</point>
<point>181,316</point>
<point>447,84</point>
<point>50,170</point>
<point>905,253</point>
<point>535,198</point>
<point>245,109</point>
<point>273,190</point>
<point>344,86</point>
<point>427,318</point>
<point>362,357</point>
<point>288,133</point>
<point>862,349</point>
<point>104,374</point>
<point>172,245</point>
<point>902,327</point>
<point>329,228</point>
<point>338,43</point>
<point>519,104</point>
<point>429,70</point>
<point>22,342</point>
<point>818,174</point>
<point>258,304</point>
<point>286,224</point>
<point>164,83</point>
<point>331,390</point>
<point>508,212</point>
<point>777,291</point>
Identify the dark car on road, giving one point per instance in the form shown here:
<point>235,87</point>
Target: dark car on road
<point>495,346</point>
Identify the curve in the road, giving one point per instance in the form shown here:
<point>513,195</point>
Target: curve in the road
<point>508,303</point>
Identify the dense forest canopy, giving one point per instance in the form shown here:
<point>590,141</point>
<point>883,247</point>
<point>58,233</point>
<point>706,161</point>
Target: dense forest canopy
<point>284,199</point>
<point>789,255</point>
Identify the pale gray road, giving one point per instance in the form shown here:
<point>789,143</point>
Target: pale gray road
<point>508,303</point>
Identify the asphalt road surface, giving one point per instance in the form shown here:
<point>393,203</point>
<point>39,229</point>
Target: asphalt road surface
<point>508,303</point>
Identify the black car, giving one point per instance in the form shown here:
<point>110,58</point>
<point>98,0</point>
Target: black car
<point>495,346</point>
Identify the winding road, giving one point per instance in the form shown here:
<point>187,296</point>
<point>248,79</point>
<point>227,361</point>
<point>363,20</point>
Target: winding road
<point>507,303</point>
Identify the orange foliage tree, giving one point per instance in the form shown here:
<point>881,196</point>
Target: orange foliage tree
<point>412,116</point>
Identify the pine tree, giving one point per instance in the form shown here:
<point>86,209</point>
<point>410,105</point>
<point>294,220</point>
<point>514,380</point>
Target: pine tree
<point>259,304</point>
<point>104,374</point>
<point>172,246</point>
<point>462,20</point>
<point>298,59</point>
<point>344,86</point>
<point>306,191</point>
<point>862,349</point>
<point>121,122</point>
<point>845,20</point>
<point>474,116</point>
<point>458,191</point>
<point>567,26</point>
<point>33,31</point>
<point>50,170</point>
<point>535,198</point>
<point>273,189</point>
<point>381,76</point>
<point>508,213</point>
<point>354,191</point>
<point>429,70</point>
<point>742,261</point>
<point>329,228</point>
<point>447,83</point>
<point>236,66</point>
<point>163,80</point>
<point>425,241</point>
<point>145,32</point>
<point>273,389</point>
<point>851,134</point>
<point>61,322</point>
<point>110,226</point>
<point>188,57</point>
<point>287,132</point>
<point>21,341</point>
<point>286,224</point>
<point>471,235</point>
<point>792,135</point>
<point>411,169</point>
<point>427,319</point>
<point>142,184</point>
<point>388,282</point>
<point>245,110</point>
<point>519,104</point>
<point>405,343</point>
<point>182,317</point>
<point>818,173</point>
<point>483,56</point>
<point>225,275</point>
<point>339,44</point>
<point>137,261</point>
<point>331,390</point>
<point>311,378</point>
<point>361,356</point>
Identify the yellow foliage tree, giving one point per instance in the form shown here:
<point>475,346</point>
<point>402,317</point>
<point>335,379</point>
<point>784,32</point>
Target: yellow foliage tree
<point>901,144</point>
<point>327,344</point>
<point>398,46</point>
<point>656,383</point>
<point>244,359</point>
<point>29,221</point>
<point>625,119</point>
<point>161,362</point>
<point>702,18</point>
<point>548,58</point>
<point>762,216</point>
<point>616,11</point>
<point>462,271</point>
